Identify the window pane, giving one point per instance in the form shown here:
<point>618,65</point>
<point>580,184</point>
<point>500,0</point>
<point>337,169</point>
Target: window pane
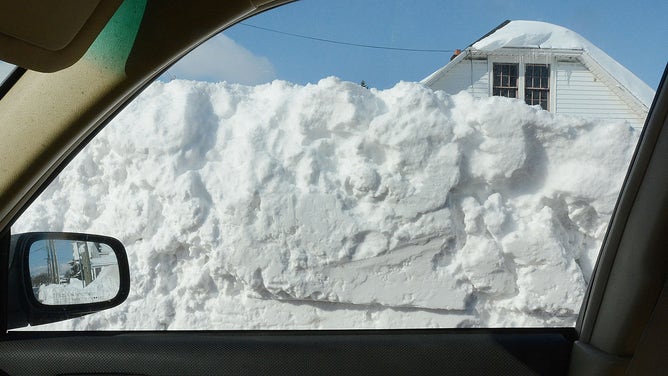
<point>537,97</point>
<point>537,85</point>
<point>332,191</point>
<point>505,80</point>
<point>537,76</point>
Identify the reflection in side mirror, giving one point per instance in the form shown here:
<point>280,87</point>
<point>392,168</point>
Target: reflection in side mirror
<point>65,272</point>
<point>55,276</point>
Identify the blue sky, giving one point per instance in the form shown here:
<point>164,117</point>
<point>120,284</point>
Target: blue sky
<point>37,259</point>
<point>632,32</point>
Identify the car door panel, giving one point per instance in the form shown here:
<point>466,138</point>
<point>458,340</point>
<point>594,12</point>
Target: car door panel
<point>384,352</point>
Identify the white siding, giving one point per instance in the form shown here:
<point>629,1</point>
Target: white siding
<point>461,78</point>
<point>580,93</point>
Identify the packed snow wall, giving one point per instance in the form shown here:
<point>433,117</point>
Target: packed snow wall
<point>282,206</point>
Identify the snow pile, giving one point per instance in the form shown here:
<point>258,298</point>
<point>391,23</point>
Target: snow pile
<point>104,287</point>
<point>332,206</point>
<point>535,34</point>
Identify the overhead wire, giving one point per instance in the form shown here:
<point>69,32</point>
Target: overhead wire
<point>332,41</point>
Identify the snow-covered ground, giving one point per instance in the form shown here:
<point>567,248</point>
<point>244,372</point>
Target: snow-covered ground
<point>104,287</point>
<point>282,206</point>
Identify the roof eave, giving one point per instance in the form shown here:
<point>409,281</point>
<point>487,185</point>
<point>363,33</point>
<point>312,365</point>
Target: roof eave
<point>429,80</point>
<point>470,52</point>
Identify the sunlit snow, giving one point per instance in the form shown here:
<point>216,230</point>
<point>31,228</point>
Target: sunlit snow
<point>282,206</point>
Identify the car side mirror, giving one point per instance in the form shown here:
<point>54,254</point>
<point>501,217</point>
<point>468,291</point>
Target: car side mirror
<point>59,276</point>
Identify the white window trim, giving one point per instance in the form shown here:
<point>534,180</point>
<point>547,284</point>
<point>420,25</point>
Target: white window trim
<point>523,60</point>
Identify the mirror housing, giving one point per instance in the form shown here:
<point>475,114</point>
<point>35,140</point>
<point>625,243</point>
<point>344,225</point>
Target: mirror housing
<point>55,276</point>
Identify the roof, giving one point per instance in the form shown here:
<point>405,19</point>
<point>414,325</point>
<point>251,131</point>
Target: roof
<point>543,35</point>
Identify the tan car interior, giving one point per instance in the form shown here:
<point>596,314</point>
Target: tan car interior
<point>64,95</point>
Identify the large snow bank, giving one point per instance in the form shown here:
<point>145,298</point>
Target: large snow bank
<point>334,206</point>
<point>535,34</point>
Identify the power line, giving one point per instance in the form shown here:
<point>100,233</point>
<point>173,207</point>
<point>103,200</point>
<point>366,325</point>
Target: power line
<point>346,43</point>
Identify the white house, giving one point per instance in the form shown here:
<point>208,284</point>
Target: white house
<point>550,66</point>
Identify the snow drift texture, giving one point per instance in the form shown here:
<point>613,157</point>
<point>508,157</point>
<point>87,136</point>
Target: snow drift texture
<point>334,206</point>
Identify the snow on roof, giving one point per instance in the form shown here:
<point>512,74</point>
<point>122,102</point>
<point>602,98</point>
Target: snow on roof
<point>531,34</point>
<point>534,34</point>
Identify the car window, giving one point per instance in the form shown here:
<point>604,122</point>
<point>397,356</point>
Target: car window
<point>359,179</point>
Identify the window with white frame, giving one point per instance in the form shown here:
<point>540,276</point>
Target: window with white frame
<point>515,80</point>
<point>537,85</point>
<point>505,80</point>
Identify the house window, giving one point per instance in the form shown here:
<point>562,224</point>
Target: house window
<point>505,80</point>
<point>537,85</point>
